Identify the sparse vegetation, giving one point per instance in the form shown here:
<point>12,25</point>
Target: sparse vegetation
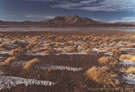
<point>107,60</point>
<point>130,70</point>
<point>16,52</point>
<point>101,76</point>
<point>31,63</point>
<point>9,60</point>
<point>108,56</point>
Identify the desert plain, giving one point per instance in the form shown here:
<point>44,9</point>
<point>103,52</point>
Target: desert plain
<point>66,61</point>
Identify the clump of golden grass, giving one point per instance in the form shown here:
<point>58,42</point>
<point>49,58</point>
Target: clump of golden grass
<point>133,58</point>
<point>69,50</point>
<point>16,52</point>
<point>131,70</point>
<point>9,60</point>
<point>59,50</point>
<point>103,60</point>
<point>121,42</point>
<point>85,46</point>
<point>101,76</point>
<point>128,57</point>
<point>31,45</point>
<point>49,51</point>
<point>130,45</point>
<point>31,63</point>
<point>107,60</point>
<point>71,42</point>
<point>47,47</point>
<point>88,51</point>
<point>112,44</point>
<point>57,44</point>
<point>2,44</point>
<point>79,48</point>
<point>115,51</point>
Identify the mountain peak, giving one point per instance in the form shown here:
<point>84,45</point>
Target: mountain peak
<point>71,20</point>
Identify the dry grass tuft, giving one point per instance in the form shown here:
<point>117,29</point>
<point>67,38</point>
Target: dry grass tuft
<point>112,44</point>
<point>59,50</point>
<point>2,44</point>
<point>69,50</point>
<point>31,63</point>
<point>131,70</point>
<point>31,45</point>
<point>133,58</point>
<point>16,52</point>
<point>9,60</point>
<point>130,45</point>
<point>79,48</point>
<point>101,76</point>
<point>107,60</point>
<point>85,46</point>
<point>88,51</point>
<point>128,57</point>
<point>71,42</point>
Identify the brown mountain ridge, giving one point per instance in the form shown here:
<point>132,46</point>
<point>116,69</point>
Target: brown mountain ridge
<point>62,21</point>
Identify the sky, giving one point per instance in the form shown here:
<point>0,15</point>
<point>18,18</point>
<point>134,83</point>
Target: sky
<point>38,10</point>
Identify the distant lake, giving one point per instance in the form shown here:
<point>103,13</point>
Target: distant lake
<point>24,29</point>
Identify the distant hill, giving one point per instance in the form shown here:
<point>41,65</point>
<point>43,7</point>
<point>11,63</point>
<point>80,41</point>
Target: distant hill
<point>62,21</point>
<point>71,20</point>
<point>128,23</point>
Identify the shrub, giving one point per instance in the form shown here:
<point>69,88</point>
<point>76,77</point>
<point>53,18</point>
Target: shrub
<point>133,58</point>
<point>121,42</point>
<point>2,44</point>
<point>16,52</point>
<point>31,45</point>
<point>71,42</point>
<point>88,51</point>
<point>107,60</point>
<point>57,44</point>
<point>115,51</point>
<point>126,56</point>
<point>85,46</point>
<point>69,50</point>
<point>130,45</point>
<point>101,76</point>
<point>112,44</point>
<point>79,48</point>
<point>59,50</point>
<point>131,70</point>
<point>31,63</point>
<point>9,60</point>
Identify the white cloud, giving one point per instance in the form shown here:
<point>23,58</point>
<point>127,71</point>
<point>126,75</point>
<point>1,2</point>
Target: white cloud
<point>124,19</point>
<point>98,5</point>
<point>41,17</point>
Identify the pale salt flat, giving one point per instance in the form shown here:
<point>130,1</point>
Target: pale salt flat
<point>9,81</point>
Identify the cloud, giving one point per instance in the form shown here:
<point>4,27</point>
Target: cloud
<point>97,5</point>
<point>40,17</point>
<point>124,19</point>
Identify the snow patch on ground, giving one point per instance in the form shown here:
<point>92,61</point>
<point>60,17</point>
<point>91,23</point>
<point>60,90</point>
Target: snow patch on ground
<point>127,63</point>
<point>129,79</point>
<point>9,81</point>
<point>56,67</point>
